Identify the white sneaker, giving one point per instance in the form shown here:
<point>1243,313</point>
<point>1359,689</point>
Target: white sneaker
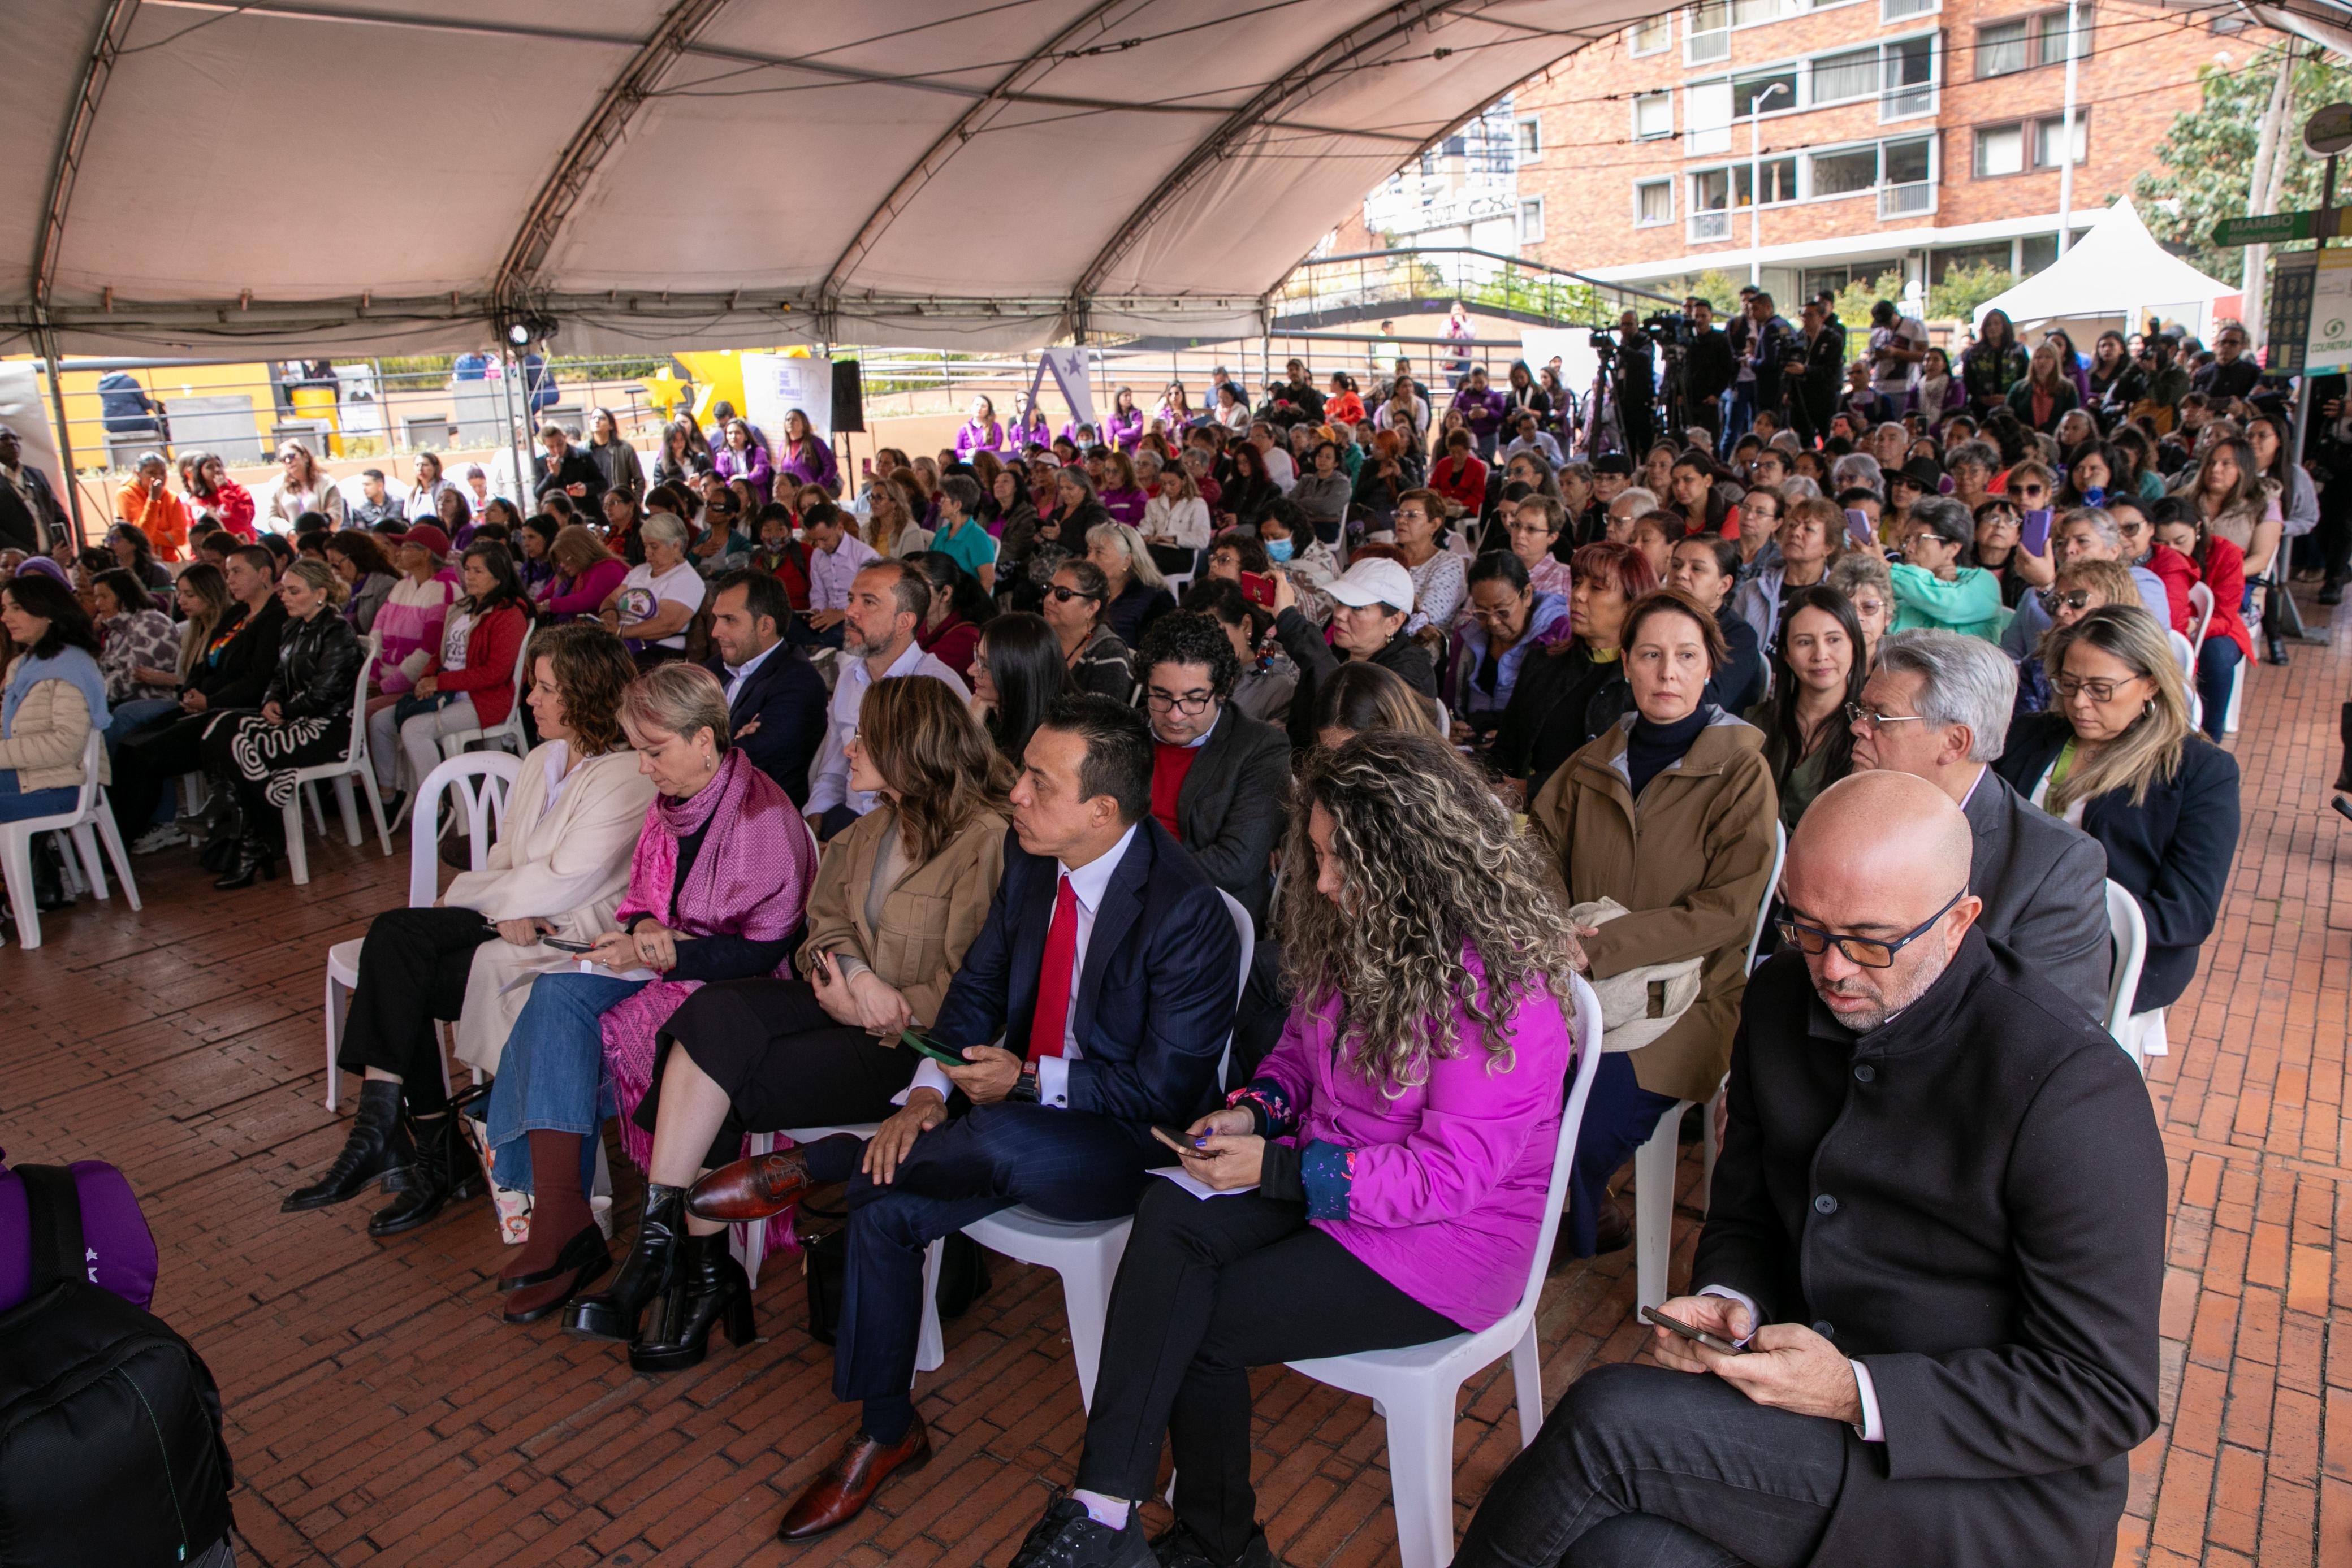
<point>158,839</point>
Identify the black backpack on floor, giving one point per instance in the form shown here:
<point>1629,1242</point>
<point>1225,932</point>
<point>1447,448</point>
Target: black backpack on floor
<point>110,1447</point>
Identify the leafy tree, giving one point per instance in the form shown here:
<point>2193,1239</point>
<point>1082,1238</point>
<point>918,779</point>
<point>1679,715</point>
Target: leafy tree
<point>1855,300</point>
<point>1966,288</point>
<point>2208,156</point>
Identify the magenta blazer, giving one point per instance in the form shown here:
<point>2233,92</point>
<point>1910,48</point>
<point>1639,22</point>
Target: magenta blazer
<point>564,600</point>
<point>1439,1190</point>
<point>730,464</point>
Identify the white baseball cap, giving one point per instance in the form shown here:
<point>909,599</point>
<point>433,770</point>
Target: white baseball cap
<point>1377,580</point>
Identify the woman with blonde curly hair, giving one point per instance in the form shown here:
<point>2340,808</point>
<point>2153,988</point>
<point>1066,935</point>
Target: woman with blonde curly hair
<point>1399,1139</point>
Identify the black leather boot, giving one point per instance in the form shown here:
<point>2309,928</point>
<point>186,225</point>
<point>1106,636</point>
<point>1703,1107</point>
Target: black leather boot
<point>446,1172</point>
<point>2343,733</point>
<point>710,1288</point>
<point>377,1150</point>
<point>255,861</point>
<point>651,1271</point>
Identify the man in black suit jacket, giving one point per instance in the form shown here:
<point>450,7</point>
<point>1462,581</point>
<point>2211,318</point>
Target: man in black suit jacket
<point>775,699</point>
<point>1109,967</point>
<point>570,469</point>
<point>1220,779</point>
<point>1937,707</point>
<point>1952,1176</point>
<point>30,518</point>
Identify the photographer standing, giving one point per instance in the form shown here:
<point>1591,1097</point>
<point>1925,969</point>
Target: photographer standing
<point>1637,385</point>
<point>1707,367</point>
<point>1819,358</point>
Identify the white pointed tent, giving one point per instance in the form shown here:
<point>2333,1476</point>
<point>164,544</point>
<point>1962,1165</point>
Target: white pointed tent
<point>2114,276</point>
<point>655,175</point>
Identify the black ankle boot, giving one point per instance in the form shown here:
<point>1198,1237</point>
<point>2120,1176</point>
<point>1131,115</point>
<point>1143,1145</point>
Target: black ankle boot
<point>710,1288</point>
<point>377,1150</point>
<point>255,861</point>
<point>446,1172</point>
<point>650,1271</point>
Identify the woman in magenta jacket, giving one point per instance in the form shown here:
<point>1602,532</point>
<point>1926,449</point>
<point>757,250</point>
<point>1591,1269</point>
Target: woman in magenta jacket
<point>1399,1141</point>
<point>744,458</point>
<point>585,575</point>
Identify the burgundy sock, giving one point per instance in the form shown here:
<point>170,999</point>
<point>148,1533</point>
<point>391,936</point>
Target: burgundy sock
<point>559,1210</point>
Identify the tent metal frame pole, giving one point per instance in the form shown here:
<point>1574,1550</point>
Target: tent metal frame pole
<point>54,366</point>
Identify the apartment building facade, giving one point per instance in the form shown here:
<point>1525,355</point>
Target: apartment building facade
<point>1883,136</point>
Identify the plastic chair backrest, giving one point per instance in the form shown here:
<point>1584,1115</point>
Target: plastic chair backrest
<point>1772,886</point>
<point>2184,654</point>
<point>357,750</point>
<point>93,747</point>
<point>2200,617</point>
<point>1246,929</point>
<point>499,771</point>
<point>1584,1029</point>
<point>522,673</point>
<point>2128,926</point>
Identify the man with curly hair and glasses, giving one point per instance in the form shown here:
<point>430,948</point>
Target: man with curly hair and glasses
<point>1932,1265</point>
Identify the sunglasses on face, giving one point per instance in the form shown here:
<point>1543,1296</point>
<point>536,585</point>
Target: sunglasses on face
<point>1063,595</point>
<point>2035,490</point>
<point>2077,598</point>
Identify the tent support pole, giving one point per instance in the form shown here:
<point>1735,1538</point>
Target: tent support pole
<point>65,437</point>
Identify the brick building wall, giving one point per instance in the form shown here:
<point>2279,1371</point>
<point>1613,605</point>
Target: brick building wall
<point>2138,70</point>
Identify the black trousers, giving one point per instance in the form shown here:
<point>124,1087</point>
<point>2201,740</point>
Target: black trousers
<point>1209,1288</point>
<point>782,1059</point>
<point>150,760</point>
<point>413,968</point>
<point>1641,1466</point>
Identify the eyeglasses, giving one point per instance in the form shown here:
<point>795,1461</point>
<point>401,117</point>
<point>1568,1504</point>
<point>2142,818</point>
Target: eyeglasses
<point>1867,951</point>
<point>1868,607</point>
<point>1063,595</point>
<point>1192,704</point>
<point>2069,687</point>
<point>2077,599</point>
<point>1871,718</point>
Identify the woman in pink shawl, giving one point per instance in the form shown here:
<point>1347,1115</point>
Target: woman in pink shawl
<point>717,892</point>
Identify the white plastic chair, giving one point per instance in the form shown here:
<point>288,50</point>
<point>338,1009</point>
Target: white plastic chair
<point>2201,620</point>
<point>1415,1387</point>
<point>2128,926</point>
<point>484,804</point>
<point>508,729</point>
<point>90,820</point>
<point>1711,1146</point>
<point>2237,696</point>
<point>2184,654</point>
<point>352,763</point>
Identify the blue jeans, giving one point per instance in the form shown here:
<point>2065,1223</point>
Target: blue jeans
<point>2217,669</point>
<point>16,803</point>
<point>552,1076</point>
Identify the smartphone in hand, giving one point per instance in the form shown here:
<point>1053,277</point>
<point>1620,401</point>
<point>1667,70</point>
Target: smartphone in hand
<point>1696,1335</point>
<point>1857,523</point>
<point>561,946</point>
<point>2033,534</point>
<point>1257,587</point>
<point>917,1041</point>
<point>1182,1145</point>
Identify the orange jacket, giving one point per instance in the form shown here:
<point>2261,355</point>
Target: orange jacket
<point>160,516</point>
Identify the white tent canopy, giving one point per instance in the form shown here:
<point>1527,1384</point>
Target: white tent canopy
<point>2114,273</point>
<point>652,174</point>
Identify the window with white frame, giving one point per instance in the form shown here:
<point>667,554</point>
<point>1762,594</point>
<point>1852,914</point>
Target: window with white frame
<point>1531,139</point>
<point>2023,43</point>
<point>1654,202</point>
<point>1733,185</point>
<point>1654,115</point>
<point>1765,92</point>
<point>1707,32</point>
<point>2019,147</point>
<point>2000,150</point>
<point>1907,78</point>
<point>1651,34</point>
<point>1851,75</point>
<point>1531,229</point>
<point>1901,10</point>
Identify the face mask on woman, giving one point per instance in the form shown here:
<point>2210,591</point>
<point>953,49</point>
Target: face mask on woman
<point>1278,549</point>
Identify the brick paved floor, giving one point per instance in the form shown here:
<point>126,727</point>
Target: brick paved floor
<point>379,1411</point>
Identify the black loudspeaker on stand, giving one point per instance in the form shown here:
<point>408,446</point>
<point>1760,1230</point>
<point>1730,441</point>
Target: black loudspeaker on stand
<point>848,397</point>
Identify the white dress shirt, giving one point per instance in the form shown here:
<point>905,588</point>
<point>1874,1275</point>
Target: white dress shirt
<point>831,572</point>
<point>829,779</point>
<point>1088,882</point>
<point>737,674</point>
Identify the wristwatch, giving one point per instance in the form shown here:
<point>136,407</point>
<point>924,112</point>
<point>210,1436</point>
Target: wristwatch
<point>1025,1088</point>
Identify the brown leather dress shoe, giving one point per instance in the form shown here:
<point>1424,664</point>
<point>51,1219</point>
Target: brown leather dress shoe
<point>844,1487</point>
<point>750,1189</point>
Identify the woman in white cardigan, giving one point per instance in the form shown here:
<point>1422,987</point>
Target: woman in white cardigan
<point>558,870</point>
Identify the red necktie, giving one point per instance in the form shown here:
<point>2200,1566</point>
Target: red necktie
<point>1052,1017</point>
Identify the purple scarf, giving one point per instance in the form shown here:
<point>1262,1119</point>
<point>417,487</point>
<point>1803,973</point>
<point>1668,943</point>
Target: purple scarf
<point>751,879</point>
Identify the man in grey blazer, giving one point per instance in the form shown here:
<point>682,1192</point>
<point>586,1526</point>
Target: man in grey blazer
<point>1220,779</point>
<point>1937,707</point>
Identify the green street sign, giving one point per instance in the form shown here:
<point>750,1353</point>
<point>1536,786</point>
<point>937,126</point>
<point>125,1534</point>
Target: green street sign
<point>2277,228</point>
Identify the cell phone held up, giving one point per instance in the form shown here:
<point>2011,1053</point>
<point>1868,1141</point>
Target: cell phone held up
<point>1257,587</point>
<point>2033,533</point>
<point>1857,524</point>
<point>917,1041</point>
<point>1696,1335</point>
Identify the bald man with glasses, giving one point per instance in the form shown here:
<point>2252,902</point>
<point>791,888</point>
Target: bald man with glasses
<point>1934,1245</point>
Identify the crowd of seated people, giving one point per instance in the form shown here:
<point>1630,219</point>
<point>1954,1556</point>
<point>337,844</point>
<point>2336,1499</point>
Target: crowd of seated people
<point>813,764</point>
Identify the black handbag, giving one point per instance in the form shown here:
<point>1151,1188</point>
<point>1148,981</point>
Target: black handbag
<point>825,1266</point>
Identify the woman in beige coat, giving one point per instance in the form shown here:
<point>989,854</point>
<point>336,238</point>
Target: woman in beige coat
<point>52,694</point>
<point>1671,813</point>
<point>558,871</point>
<point>899,897</point>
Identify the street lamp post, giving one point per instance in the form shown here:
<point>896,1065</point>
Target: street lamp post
<point>1756,184</point>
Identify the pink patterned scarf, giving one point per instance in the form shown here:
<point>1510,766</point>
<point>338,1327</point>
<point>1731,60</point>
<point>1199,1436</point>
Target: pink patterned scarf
<point>751,879</point>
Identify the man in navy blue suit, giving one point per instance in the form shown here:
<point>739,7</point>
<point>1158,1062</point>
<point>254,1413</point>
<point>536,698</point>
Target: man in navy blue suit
<point>775,699</point>
<point>1108,966</point>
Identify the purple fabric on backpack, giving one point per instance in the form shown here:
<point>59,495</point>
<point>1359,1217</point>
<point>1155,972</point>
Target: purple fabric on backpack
<point>118,1250</point>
